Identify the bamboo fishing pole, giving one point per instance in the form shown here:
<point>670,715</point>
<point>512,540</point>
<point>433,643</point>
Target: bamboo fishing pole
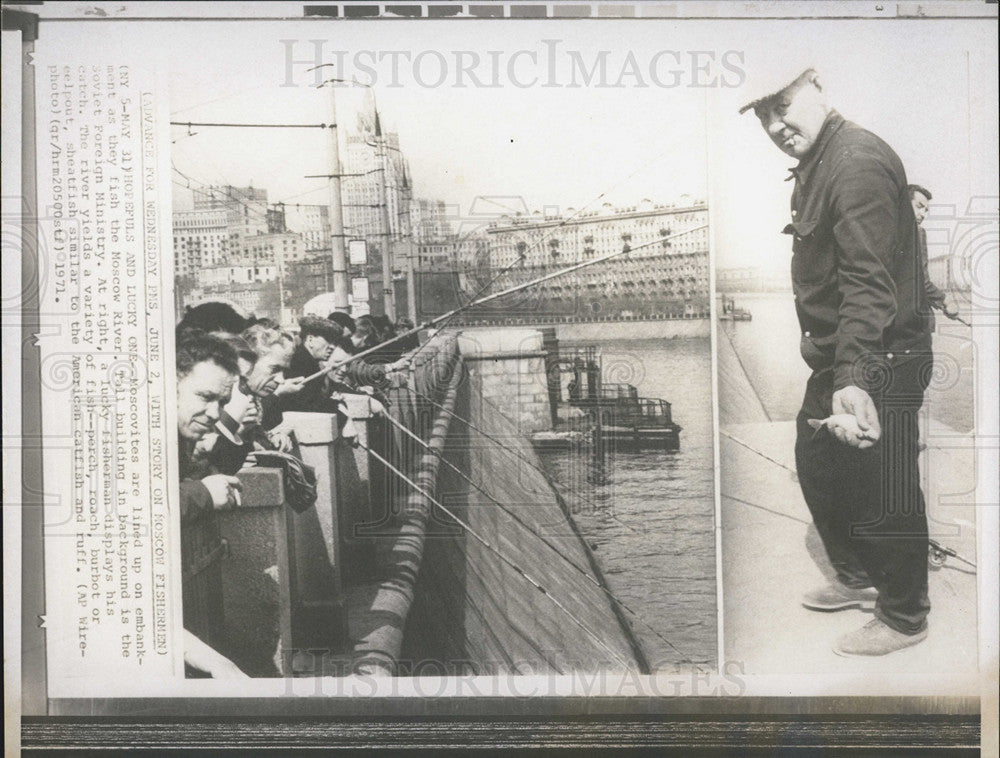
<point>490,298</point>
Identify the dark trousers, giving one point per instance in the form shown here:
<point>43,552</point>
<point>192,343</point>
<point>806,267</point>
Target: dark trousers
<point>867,504</point>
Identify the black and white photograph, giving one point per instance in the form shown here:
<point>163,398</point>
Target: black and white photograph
<point>854,226</point>
<point>524,485</point>
<point>564,375</point>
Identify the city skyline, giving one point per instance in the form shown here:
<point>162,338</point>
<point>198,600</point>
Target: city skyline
<point>579,147</point>
<point>462,143</point>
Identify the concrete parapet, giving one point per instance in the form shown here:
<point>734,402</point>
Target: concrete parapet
<point>510,364</point>
<point>321,621</point>
<point>255,575</point>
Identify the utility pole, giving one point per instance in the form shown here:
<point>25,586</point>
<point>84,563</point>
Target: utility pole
<point>389,298</point>
<point>411,287</point>
<point>280,260</point>
<point>340,299</point>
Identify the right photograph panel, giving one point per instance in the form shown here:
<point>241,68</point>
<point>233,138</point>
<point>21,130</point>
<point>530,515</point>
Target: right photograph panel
<point>854,203</point>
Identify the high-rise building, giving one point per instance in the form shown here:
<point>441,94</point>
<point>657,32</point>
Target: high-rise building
<point>376,194</point>
<point>311,222</point>
<point>201,238</point>
<point>433,234</point>
<point>245,207</point>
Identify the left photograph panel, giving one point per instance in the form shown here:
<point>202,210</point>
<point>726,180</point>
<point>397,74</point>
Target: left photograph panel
<point>431,318</point>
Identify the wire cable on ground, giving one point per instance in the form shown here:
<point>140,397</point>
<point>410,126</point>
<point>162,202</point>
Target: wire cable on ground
<point>933,544</point>
<point>765,456</point>
<point>746,374</point>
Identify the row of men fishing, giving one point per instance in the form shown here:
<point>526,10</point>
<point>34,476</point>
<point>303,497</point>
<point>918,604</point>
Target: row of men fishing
<point>237,377</point>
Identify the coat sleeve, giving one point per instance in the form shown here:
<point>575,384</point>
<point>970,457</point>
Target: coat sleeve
<point>195,500</point>
<point>865,203</point>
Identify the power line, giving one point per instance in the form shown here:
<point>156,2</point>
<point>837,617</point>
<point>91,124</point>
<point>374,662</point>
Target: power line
<point>234,125</point>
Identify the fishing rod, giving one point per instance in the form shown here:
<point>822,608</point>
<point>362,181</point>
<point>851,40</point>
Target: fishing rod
<point>490,298</point>
<point>548,543</point>
<point>482,540</point>
<point>506,269</point>
<point>545,474</point>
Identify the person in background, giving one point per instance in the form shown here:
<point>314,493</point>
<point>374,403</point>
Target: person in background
<point>238,430</point>
<point>406,344</point>
<point>344,321</point>
<point>865,337</point>
<point>936,297</point>
<point>365,334</point>
<point>318,338</point>
<point>213,317</point>
<point>274,348</point>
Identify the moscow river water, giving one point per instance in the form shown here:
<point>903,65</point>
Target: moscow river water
<point>652,524</point>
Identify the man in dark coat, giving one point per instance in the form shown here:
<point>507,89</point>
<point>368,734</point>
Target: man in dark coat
<point>860,299</point>
<point>937,298</point>
<point>317,339</point>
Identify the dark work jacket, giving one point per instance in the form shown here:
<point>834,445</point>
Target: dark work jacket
<point>856,268</point>
<point>314,397</point>
<point>196,500</point>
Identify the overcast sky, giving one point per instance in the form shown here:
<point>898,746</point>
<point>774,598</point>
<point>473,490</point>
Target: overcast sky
<point>929,88</point>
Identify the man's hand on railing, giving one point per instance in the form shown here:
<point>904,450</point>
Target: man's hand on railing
<point>375,407</point>
<point>950,306</point>
<point>225,490</point>
<point>205,658</point>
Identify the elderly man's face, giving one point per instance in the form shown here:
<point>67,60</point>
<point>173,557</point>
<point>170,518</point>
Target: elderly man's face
<point>318,347</point>
<point>200,397</point>
<point>920,205</point>
<point>269,370</point>
<point>794,117</point>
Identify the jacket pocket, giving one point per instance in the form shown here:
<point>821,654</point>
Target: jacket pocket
<point>811,261</point>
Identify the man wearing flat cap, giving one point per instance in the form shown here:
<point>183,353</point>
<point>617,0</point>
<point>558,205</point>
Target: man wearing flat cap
<point>860,300</point>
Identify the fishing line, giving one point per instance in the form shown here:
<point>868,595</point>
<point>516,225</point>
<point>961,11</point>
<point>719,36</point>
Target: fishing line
<point>482,540</point>
<point>551,482</point>
<point>555,548</point>
<point>932,544</point>
<point>738,441</point>
<point>445,317</point>
<point>546,237</point>
<point>746,373</point>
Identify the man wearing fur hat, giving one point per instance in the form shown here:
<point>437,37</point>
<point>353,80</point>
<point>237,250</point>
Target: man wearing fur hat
<point>861,305</point>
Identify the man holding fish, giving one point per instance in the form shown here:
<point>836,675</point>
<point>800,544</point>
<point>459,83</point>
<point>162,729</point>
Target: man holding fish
<point>861,304</point>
